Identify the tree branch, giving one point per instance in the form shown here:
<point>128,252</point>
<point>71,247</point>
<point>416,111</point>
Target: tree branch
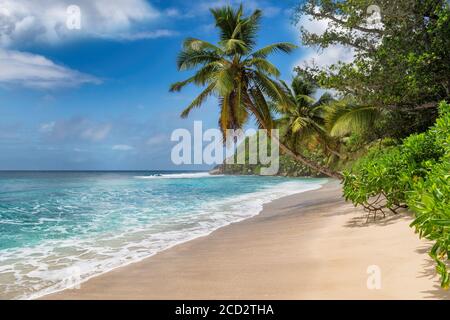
<point>322,16</point>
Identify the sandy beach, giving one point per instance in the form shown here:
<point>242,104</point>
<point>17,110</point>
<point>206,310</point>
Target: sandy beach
<point>311,245</point>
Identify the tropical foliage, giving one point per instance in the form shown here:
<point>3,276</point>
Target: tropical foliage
<point>302,122</point>
<point>240,76</point>
<point>400,64</point>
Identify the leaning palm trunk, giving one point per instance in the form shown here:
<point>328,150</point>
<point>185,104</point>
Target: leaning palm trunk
<point>332,151</point>
<point>324,170</point>
<point>309,163</point>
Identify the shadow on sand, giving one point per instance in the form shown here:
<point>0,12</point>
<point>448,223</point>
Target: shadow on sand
<point>361,221</point>
<point>429,272</point>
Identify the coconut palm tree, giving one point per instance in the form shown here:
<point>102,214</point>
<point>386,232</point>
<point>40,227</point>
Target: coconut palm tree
<point>303,123</point>
<point>240,76</point>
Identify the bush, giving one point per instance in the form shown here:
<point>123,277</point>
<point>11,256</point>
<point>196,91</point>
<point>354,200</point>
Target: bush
<point>415,174</point>
<point>380,179</point>
<point>430,200</point>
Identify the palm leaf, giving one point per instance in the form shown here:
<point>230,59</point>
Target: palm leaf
<point>201,77</point>
<point>276,47</point>
<point>233,45</point>
<point>344,119</point>
<point>263,65</point>
<point>272,89</point>
<point>188,59</point>
<point>197,102</point>
<point>199,45</point>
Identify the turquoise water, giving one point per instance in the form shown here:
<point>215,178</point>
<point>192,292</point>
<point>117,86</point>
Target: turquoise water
<point>60,228</point>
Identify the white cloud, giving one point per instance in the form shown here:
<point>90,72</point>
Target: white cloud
<point>47,127</point>
<point>314,26</point>
<point>31,70</point>
<point>122,147</point>
<point>45,20</point>
<point>156,140</point>
<point>327,56</point>
<point>96,133</point>
<point>75,129</point>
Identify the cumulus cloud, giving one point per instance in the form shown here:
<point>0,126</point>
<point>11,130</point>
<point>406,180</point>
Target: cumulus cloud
<point>36,71</point>
<point>327,56</point>
<point>75,129</point>
<point>122,147</point>
<point>45,20</point>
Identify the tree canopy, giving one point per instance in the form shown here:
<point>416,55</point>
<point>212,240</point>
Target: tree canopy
<point>400,64</point>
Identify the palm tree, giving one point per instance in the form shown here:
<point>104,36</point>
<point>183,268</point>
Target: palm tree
<point>303,121</point>
<point>239,76</point>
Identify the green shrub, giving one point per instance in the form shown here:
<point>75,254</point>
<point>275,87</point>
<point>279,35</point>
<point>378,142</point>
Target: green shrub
<point>415,174</point>
<point>387,174</point>
<point>430,200</point>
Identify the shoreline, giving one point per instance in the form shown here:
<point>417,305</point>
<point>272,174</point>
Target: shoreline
<point>309,245</point>
<point>53,291</point>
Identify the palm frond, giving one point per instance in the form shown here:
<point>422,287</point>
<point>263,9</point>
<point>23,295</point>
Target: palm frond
<point>177,86</point>
<point>285,47</point>
<point>197,102</point>
<point>233,45</point>
<point>263,65</point>
<point>300,86</point>
<point>201,77</point>
<point>194,44</point>
<point>272,89</point>
<point>287,89</point>
<point>304,100</point>
<point>250,27</point>
<point>325,98</point>
<point>188,59</point>
<point>342,119</point>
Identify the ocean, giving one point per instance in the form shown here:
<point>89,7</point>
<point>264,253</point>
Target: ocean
<point>58,229</point>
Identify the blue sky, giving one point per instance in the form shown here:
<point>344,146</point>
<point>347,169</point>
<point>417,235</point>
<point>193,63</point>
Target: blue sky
<point>97,98</point>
